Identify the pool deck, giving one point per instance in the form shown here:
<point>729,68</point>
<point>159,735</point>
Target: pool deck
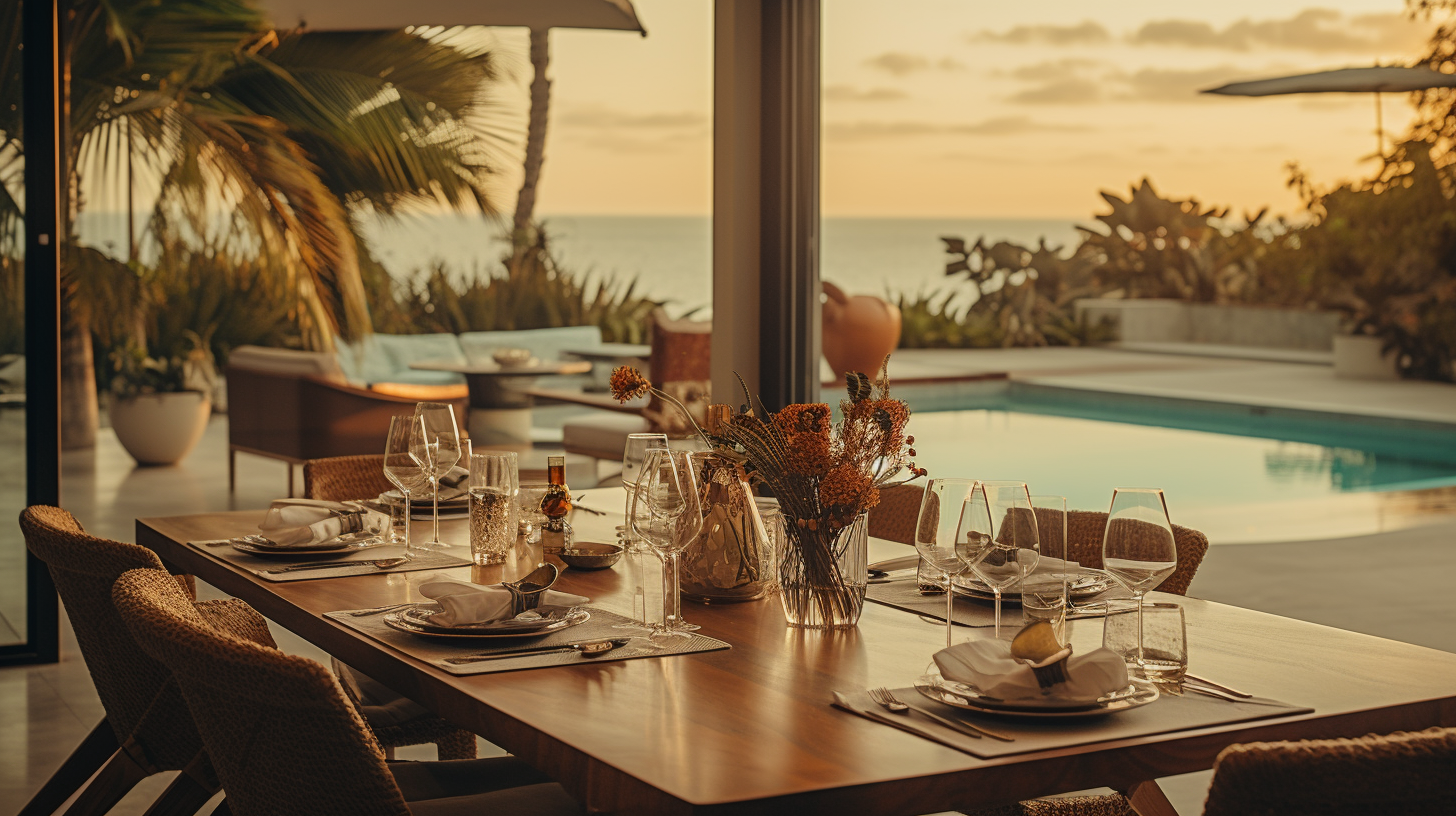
<point>1393,583</point>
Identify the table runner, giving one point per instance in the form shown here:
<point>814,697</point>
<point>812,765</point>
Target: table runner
<point>1168,713</point>
<point>220,550</point>
<point>600,627</point>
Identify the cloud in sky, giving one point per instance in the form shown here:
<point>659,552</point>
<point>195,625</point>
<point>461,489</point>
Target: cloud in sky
<point>997,126</point>
<point>600,117</point>
<point>619,131</point>
<point>1319,30</point>
<point>1086,32</point>
<point>900,63</point>
<point>850,93</point>
<point>1084,82</point>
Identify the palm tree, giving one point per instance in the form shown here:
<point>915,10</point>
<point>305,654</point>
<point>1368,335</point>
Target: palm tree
<point>281,140</point>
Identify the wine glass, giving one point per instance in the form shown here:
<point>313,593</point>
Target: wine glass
<point>673,516</point>
<point>997,538</point>
<point>435,445</point>
<point>401,469</point>
<point>937,531</point>
<point>634,455</point>
<point>1138,550</point>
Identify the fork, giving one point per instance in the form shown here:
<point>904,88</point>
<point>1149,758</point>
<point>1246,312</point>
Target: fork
<point>890,702</point>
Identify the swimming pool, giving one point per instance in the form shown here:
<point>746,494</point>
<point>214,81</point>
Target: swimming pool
<point>1212,459</point>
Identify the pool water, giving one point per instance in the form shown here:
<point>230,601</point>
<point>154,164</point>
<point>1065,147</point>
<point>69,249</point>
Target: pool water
<point>1082,444</point>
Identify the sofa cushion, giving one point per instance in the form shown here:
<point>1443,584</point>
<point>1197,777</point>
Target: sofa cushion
<point>548,344</point>
<point>386,358</point>
<point>288,362</point>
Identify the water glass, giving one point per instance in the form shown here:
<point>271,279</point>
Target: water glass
<point>1044,590</point>
<point>528,510</point>
<point>494,483</point>
<point>1161,654</point>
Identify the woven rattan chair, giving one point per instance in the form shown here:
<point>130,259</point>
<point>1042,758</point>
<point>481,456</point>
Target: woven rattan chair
<point>327,761</point>
<point>1084,545</point>
<point>893,519</point>
<point>147,728</point>
<point>1412,774</point>
<point>396,721</point>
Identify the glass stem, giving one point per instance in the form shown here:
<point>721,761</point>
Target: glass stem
<point>997,591</point>
<point>435,527</point>
<point>949,606</point>
<point>408,553</point>
<point>671,603</point>
<point>1142,664</point>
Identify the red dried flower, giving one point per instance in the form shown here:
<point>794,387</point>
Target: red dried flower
<point>628,383</point>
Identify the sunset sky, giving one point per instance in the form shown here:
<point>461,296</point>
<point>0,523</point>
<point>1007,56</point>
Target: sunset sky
<point>978,109</point>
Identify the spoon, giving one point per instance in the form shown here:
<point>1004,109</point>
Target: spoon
<point>588,649</point>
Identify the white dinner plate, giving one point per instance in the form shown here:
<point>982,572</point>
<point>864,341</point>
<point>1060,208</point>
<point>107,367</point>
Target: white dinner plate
<point>1138,693</point>
<point>410,619</point>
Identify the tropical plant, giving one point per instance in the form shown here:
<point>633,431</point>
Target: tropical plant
<point>1026,294</point>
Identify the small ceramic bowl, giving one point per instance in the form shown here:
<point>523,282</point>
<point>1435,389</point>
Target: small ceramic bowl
<point>513,357</point>
<point>591,555</point>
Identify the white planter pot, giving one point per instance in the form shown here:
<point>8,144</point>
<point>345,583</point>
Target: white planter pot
<point>1358,357</point>
<point>160,429</point>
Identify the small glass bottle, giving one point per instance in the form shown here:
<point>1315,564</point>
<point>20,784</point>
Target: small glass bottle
<point>556,533</point>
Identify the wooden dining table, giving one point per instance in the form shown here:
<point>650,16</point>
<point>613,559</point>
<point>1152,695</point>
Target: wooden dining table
<point>749,730</point>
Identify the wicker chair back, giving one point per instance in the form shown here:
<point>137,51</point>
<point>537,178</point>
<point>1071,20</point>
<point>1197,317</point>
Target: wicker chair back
<point>345,478</point>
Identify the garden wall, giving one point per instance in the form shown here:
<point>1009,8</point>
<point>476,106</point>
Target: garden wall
<point>1175,321</point>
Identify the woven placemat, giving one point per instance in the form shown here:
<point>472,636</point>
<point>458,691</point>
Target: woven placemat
<point>260,567</point>
<point>599,627</point>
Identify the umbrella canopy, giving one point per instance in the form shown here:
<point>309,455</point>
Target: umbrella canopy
<point>371,15</point>
<point>1376,79</point>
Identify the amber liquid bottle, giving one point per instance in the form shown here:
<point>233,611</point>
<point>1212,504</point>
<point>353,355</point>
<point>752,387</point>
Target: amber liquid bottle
<point>556,533</point>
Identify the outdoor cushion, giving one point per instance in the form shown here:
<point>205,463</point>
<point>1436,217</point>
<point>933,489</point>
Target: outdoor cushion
<point>386,358</point>
<point>548,344</point>
<point>289,362</point>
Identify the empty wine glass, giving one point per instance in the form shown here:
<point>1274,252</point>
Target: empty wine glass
<point>673,516</point>
<point>998,537</point>
<point>634,454</point>
<point>936,533</point>
<point>1138,550</point>
<point>436,447</point>
<point>401,469</point>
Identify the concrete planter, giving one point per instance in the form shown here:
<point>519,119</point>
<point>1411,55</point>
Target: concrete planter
<point>1359,357</point>
<point>1154,320</point>
<point>160,429</point>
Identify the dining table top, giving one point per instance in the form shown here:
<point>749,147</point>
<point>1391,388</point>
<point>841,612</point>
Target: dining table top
<point>750,729</point>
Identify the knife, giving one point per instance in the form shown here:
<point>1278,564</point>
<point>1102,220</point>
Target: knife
<point>842,702</point>
<point>589,648</point>
<point>380,563</point>
<point>964,728</point>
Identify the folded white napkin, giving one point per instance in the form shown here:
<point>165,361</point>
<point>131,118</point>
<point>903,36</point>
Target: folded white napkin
<point>988,665</point>
<point>453,485</point>
<point>462,604</point>
<point>301,522</point>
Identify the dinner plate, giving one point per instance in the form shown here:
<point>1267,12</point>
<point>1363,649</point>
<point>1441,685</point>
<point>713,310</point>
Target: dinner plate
<point>1087,583</point>
<point>1137,694</point>
<point>336,546</point>
<point>555,618</point>
<point>394,498</point>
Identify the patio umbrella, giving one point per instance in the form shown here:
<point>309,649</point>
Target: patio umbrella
<point>1376,79</point>
<point>538,15</point>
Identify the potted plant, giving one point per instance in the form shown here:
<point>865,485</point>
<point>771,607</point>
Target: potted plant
<point>160,402</point>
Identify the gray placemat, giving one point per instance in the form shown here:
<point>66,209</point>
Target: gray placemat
<point>220,550</point>
<point>904,594</point>
<point>1169,713</point>
<point>600,627</point>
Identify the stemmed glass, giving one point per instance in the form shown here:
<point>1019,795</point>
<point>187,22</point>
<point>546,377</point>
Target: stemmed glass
<point>937,531</point>
<point>673,516</point>
<point>1138,550</point>
<point>435,445</point>
<point>634,455</point>
<point>998,536</point>
<point>401,469</point>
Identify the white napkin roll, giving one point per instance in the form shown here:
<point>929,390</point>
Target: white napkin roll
<point>463,604</point>
<point>988,665</point>
<point>300,522</point>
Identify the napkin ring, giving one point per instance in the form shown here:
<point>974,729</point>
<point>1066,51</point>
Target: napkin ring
<point>1052,670</point>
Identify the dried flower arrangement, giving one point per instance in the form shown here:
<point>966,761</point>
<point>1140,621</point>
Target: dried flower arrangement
<point>824,474</point>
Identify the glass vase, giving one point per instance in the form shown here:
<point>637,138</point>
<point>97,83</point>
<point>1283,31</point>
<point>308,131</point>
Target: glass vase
<point>823,574</point>
<point>730,560</point>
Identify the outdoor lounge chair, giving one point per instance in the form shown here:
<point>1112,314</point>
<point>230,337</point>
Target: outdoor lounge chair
<point>328,762</point>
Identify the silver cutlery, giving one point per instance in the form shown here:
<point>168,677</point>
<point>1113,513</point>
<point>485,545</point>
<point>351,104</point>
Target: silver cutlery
<point>360,613</point>
<point>1211,693</point>
<point>588,649</point>
<point>1225,689</point>
<point>378,564</point>
<point>890,702</point>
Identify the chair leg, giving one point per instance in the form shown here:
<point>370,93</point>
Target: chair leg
<point>290,480</point>
<point>1148,799</point>
<point>91,754</point>
<point>232,470</point>
<point>116,778</point>
<point>188,792</point>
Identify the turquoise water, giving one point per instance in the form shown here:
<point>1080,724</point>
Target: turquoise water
<point>1204,455</point>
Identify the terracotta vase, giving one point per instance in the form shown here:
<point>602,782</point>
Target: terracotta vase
<point>859,331</point>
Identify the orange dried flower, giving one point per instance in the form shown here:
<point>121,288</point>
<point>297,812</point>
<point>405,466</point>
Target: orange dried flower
<point>847,490</point>
<point>628,383</point>
<point>803,418</point>
<point>809,454</point>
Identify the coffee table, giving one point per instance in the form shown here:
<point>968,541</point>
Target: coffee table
<point>500,406</point>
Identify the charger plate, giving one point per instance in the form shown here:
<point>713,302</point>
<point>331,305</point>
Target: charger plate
<point>1137,694</point>
<point>414,620</point>
<point>1087,584</point>
<point>352,542</point>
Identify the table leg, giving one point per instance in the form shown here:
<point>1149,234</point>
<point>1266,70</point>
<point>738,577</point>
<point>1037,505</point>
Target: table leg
<point>500,426</point>
<point>1149,800</point>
